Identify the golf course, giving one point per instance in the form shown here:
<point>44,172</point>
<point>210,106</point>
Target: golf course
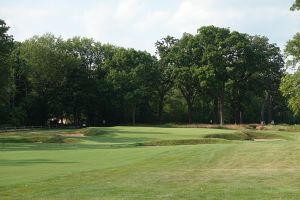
<point>154,100</point>
<point>124,162</point>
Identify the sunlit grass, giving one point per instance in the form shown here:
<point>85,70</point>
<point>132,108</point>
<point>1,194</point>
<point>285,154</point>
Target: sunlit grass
<point>174,163</point>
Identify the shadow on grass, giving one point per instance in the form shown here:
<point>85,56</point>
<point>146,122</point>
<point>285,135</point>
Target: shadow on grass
<point>102,139</point>
<point>185,142</point>
<point>4,162</point>
<point>49,147</point>
<point>116,138</point>
<point>112,130</point>
<point>97,135</point>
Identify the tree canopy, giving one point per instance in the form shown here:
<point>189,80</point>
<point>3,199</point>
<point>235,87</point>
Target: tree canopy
<point>296,5</point>
<point>216,75</point>
<point>292,51</point>
<point>6,44</point>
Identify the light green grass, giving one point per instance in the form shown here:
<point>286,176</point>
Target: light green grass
<point>110,163</point>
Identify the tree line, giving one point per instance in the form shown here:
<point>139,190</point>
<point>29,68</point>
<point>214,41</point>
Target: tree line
<point>214,76</point>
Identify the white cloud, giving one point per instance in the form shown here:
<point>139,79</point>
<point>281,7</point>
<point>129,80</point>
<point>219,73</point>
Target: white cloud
<point>192,14</point>
<point>21,20</point>
<point>152,20</point>
<point>127,9</point>
<point>139,23</point>
<point>96,20</point>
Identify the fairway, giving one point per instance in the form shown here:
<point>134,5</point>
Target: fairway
<point>150,163</point>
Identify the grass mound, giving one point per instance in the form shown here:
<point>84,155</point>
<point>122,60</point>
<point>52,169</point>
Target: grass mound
<point>93,131</point>
<point>245,135</point>
<point>262,135</point>
<point>32,139</point>
<point>183,142</point>
<point>35,138</point>
<point>229,136</point>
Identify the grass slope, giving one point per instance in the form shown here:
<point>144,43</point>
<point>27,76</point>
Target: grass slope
<point>175,163</point>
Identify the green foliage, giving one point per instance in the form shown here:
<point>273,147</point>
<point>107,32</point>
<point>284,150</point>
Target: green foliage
<point>215,75</point>
<point>290,89</point>
<point>133,75</point>
<point>290,83</point>
<point>165,79</point>
<point>224,67</point>
<point>6,45</point>
<point>185,56</point>
<point>17,116</point>
<point>296,5</point>
<point>292,51</point>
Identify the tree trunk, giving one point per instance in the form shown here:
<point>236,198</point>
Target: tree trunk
<point>75,120</point>
<point>26,89</point>
<point>216,111</point>
<point>12,102</point>
<point>160,107</point>
<point>262,113</point>
<point>270,107</point>
<point>236,104</point>
<point>238,114</point>
<point>188,96</point>
<point>235,114</point>
<point>78,120</point>
<point>133,114</point>
<point>241,117</point>
<point>190,113</point>
<point>221,110</point>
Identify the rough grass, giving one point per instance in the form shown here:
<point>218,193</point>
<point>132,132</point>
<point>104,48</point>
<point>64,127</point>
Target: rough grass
<point>229,136</point>
<point>285,127</point>
<point>112,166</point>
<point>32,139</point>
<point>252,135</point>
<point>42,136</point>
<point>215,126</point>
<point>247,135</point>
<point>94,131</point>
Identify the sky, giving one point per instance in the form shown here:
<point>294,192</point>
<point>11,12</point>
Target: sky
<point>140,23</point>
